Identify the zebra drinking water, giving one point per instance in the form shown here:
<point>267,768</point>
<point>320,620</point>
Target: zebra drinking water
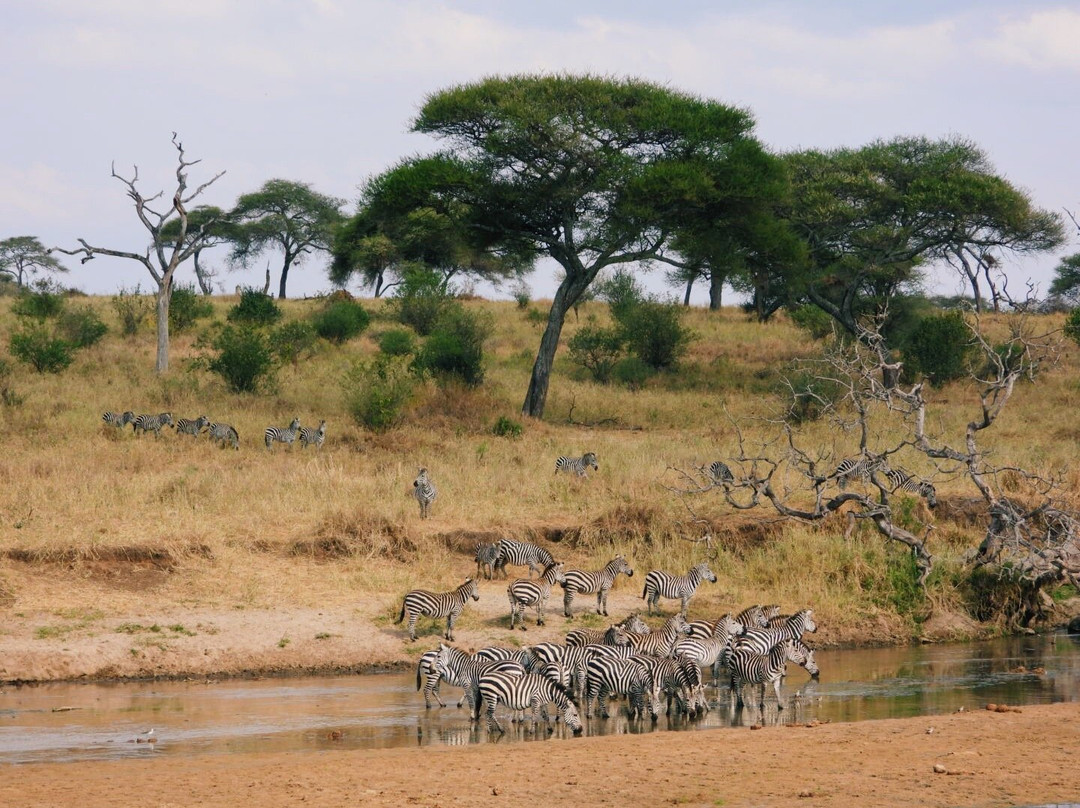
<point>589,582</point>
<point>761,640</point>
<point>437,604</point>
<point>456,665</point>
<point>528,691</point>
<point>525,592</point>
<point>425,492</point>
<point>192,426</point>
<point>151,423</point>
<point>660,584</point>
<point>224,434</point>
<point>118,419</point>
<point>577,465</point>
<point>279,434</point>
<point>313,437</point>
<point>608,675</point>
<point>522,553</point>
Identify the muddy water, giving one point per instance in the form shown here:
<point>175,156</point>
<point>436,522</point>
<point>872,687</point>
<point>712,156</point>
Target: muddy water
<point>83,721</point>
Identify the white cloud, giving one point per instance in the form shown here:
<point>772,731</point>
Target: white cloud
<point>1044,40</point>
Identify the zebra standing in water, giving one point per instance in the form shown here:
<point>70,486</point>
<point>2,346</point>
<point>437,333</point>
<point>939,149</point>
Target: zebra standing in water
<point>577,465</point>
<point>590,582</point>
<point>192,426</point>
<point>659,643</point>
<point>151,423</point>
<point>529,691</point>
<point>748,667</point>
<point>761,640</point>
<point>118,419</point>
<point>525,592</point>
<point>609,675</point>
<point>900,480</point>
<point>310,436</point>
<point>425,492</point>
<point>858,469</point>
<point>437,604</point>
<point>428,678</point>
<point>486,558</point>
<point>284,435</point>
<point>660,584</point>
<point>456,665</point>
<point>522,553</point>
<point>224,434</point>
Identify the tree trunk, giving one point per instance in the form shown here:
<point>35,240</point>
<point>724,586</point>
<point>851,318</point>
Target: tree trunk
<point>164,294</point>
<point>716,289</point>
<point>284,277</point>
<point>206,284</point>
<point>689,286</point>
<point>536,397</point>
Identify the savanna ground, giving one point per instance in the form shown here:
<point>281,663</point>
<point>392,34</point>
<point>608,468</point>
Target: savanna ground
<point>167,557</point>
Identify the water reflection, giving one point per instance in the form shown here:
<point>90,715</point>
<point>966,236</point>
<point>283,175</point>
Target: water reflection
<point>69,721</point>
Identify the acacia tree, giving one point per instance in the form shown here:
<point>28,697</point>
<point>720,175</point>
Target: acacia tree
<point>165,254</point>
<point>591,172</point>
<point>283,215</point>
<point>22,256</point>
<point>215,229</point>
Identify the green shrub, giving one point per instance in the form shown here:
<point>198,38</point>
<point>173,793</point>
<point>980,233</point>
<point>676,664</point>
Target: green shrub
<point>522,295</point>
<point>939,348</point>
<point>597,350</point>
<point>289,341</point>
<point>807,396</point>
<point>340,321</point>
<point>632,372</point>
<point>536,317</point>
<point>242,358</point>
<point>376,392</point>
<point>42,350</point>
<point>621,292</point>
<point>186,307</point>
<point>81,327</point>
<point>397,342</point>
<point>812,320</point>
<point>132,308</point>
<point>420,299</point>
<point>455,346</point>
<point>654,333</point>
<point>1072,325</point>
<point>40,304</point>
<point>7,393</point>
<point>254,308</point>
<point>507,428</point>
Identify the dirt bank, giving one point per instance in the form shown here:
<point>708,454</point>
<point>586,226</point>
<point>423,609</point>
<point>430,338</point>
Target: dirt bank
<point>986,759</point>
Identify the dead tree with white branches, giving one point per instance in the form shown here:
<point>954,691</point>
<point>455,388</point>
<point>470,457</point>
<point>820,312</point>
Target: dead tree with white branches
<point>164,254</point>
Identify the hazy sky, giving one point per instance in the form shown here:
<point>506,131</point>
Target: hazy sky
<point>324,91</point>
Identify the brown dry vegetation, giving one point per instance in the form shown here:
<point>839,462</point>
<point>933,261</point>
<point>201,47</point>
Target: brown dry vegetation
<point>96,520</point>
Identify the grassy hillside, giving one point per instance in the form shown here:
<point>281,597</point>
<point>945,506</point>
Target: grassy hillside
<point>92,517</point>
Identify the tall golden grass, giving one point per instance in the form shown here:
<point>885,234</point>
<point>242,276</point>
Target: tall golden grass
<point>261,529</point>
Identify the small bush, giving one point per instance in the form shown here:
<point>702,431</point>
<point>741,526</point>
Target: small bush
<point>812,320</point>
<point>243,358</point>
<point>621,292</point>
<point>1072,326</point>
<point>340,321</point>
<point>597,350</point>
<point>186,307</point>
<point>397,342</point>
<point>632,372</point>
<point>42,350</point>
<point>132,308</point>
<point>81,327</point>
<point>507,428</point>
<point>376,392</point>
<point>522,295</point>
<point>536,317</point>
<point>654,333</point>
<point>254,308</point>
<point>455,346</point>
<point>41,304</point>
<point>290,341</point>
<point>421,299</point>
<point>939,348</point>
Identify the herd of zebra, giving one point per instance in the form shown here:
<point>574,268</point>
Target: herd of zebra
<point>591,666</point>
<point>223,434</point>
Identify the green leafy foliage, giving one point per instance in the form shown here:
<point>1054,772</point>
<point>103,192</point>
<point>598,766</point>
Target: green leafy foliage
<point>597,350</point>
<point>38,347</point>
<point>376,392</point>
<point>397,342</point>
<point>455,347</point>
<point>242,358</point>
<point>1072,326</point>
<point>186,307</point>
<point>254,308</point>
<point>654,333</point>
<point>812,320</point>
<point>132,308</point>
<point>40,304</point>
<point>632,372</point>
<point>81,327</point>
<point>522,295</point>
<point>341,320</point>
<point>939,348</point>
<point>290,341</point>
<point>507,428</point>
<point>420,299</point>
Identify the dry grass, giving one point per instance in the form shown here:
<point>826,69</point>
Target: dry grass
<point>178,519</point>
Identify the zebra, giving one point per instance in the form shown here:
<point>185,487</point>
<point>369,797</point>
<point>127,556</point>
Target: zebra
<point>428,678</point>
<point>679,678</point>
<point>437,604</point>
<point>761,640</point>
<point>284,435</point>
<point>151,423</point>
<point>900,480</point>
<point>860,468</point>
<point>706,651</point>
<point>598,582</point>
<point>425,492</point>
<point>757,616</point>
<point>487,556</point>
<point>718,473</point>
<point>118,419</point>
<point>727,625</point>
<point>577,465</point>
<point>224,434</point>
<point>572,658</point>
<point>659,643</point>
<point>522,553</point>
<point>660,584</point>
<point>309,436</point>
<point>607,675</point>
<point>528,691</point>
<point>526,592</point>
<point>803,655</point>
<point>191,426</point>
<point>453,664</point>
<point>523,656</point>
<point>748,666</point>
<point>613,635</point>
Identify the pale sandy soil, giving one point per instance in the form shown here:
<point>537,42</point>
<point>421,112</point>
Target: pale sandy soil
<point>989,759</point>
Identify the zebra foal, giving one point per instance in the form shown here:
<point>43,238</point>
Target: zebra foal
<point>589,582</point>
<point>279,434</point>
<point>425,492</point>
<point>577,465</point>
<point>660,584</point>
<point>437,604</point>
<point>486,558</point>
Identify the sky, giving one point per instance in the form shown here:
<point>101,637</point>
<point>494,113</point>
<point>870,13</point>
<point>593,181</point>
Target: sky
<point>325,91</point>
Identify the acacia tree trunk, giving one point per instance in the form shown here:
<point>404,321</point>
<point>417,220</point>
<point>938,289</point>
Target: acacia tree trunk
<point>716,290</point>
<point>163,298</point>
<point>689,286</point>
<point>284,276</point>
<point>204,277</point>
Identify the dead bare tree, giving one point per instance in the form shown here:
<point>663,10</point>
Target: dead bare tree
<point>162,257</point>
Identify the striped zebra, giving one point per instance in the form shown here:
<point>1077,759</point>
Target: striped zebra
<point>522,553</point>
<point>525,592</point>
<point>279,434</point>
<point>530,691</point>
<point>679,679</point>
<point>589,582</point>
<point>453,664</point>
<point>900,480</point>
<point>761,640</point>
<point>660,584</point>
<point>727,626</point>
<point>151,423</point>
<point>613,635</point>
<point>749,667</point>
<point>425,492</point>
<point>313,437</point>
<point>192,426</point>
<point>718,473</point>
<point>487,556</point>
<point>659,643</point>
<point>573,659</point>
<point>577,465</point>
<point>753,617</point>
<point>803,655</point>
<point>429,678</point>
<point>523,656</point>
<point>705,651</point>
<point>118,419</point>
<point>860,468</point>
<point>437,604</point>
<point>224,434</point>
<point>607,675</point>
